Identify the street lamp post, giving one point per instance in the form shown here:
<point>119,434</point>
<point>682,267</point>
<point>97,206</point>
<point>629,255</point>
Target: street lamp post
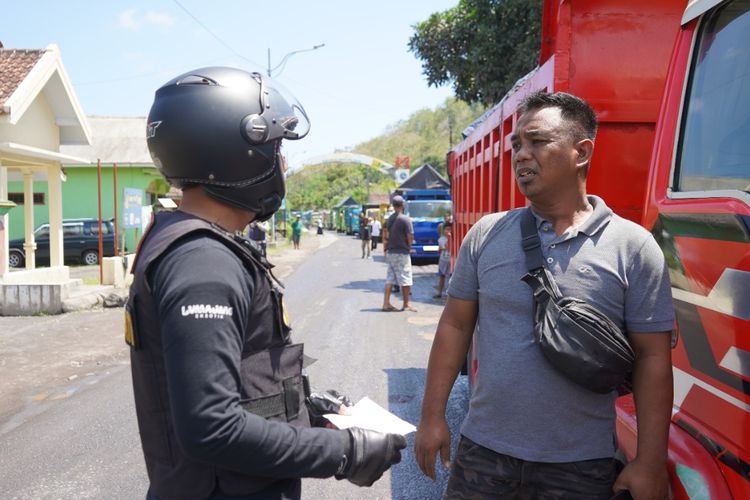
<point>269,72</point>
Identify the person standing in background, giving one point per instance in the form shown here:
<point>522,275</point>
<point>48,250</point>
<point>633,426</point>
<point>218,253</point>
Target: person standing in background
<point>364,235</point>
<point>296,231</point>
<point>375,233</point>
<point>398,237</point>
<point>444,261</point>
<point>259,230</point>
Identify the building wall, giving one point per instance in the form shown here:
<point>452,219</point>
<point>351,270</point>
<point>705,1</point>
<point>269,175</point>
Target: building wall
<point>36,127</point>
<point>80,199</point>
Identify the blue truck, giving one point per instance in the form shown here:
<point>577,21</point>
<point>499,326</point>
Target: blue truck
<point>351,219</point>
<point>427,209</point>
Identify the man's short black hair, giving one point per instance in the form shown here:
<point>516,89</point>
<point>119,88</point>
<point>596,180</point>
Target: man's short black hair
<point>573,108</point>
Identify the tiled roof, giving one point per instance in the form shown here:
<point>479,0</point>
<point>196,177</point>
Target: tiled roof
<point>15,65</point>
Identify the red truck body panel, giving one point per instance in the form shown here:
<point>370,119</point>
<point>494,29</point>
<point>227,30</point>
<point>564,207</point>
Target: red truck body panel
<point>594,56</point>
<point>616,56</point>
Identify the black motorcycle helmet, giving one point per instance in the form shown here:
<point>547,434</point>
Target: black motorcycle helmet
<point>221,128</point>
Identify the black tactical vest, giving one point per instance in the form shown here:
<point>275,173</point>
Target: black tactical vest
<point>271,373</point>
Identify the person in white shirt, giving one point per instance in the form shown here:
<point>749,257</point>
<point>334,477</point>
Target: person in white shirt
<point>375,233</point>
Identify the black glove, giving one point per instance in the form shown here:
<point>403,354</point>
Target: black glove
<point>370,454</point>
<point>321,403</point>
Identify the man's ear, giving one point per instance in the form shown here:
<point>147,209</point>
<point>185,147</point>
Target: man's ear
<point>585,149</point>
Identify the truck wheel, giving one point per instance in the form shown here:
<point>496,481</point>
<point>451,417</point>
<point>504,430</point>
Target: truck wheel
<point>15,259</point>
<point>90,257</point>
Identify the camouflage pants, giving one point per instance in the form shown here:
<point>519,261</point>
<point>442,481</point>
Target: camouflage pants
<point>478,473</point>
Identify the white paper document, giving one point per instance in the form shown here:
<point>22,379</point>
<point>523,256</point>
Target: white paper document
<point>369,415</point>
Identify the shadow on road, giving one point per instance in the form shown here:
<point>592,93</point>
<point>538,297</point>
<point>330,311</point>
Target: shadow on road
<point>365,285</point>
<point>405,391</point>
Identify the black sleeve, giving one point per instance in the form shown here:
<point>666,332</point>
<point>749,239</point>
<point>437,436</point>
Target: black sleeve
<point>203,297</point>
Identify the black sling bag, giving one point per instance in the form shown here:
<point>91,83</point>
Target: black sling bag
<point>575,337</point>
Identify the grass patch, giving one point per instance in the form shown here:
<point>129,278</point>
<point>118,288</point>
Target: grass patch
<point>90,280</point>
<point>280,245</point>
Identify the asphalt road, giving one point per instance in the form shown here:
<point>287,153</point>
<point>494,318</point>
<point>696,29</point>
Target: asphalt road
<point>74,436</point>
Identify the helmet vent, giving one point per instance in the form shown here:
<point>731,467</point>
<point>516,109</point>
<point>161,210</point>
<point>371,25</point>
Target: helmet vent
<point>197,80</point>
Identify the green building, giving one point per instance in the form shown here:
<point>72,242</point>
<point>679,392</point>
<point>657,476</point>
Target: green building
<point>119,146</point>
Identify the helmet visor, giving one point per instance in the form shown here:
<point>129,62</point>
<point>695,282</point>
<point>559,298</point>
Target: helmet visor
<point>284,115</point>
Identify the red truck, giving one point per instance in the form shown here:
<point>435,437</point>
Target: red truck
<point>673,154</point>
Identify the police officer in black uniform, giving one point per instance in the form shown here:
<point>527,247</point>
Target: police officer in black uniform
<point>218,382</point>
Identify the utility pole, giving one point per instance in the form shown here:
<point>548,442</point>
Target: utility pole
<point>367,182</point>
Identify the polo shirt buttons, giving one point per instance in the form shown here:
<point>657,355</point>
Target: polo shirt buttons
<point>552,246</point>
<point>550,260</point>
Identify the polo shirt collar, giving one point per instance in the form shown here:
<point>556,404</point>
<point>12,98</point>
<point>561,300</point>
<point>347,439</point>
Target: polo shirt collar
<point>597,220</point>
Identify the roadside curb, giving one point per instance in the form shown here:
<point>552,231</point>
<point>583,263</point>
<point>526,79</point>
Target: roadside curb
<point>94,296</point>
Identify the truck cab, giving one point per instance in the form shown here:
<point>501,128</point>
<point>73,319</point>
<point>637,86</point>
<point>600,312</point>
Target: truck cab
<point>351,219</point>
<point>427,209</point>
<point>698,208</point>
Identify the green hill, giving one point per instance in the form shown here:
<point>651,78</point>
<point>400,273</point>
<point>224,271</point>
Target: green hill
<point>323,186</point>
<point>425,137</point>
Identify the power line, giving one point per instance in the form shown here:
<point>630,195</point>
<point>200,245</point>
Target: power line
<point>137,76</point>
<point>144,75</point>
<point>215,36</point>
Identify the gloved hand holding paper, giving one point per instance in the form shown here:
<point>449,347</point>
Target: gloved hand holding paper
<point>369,415</point>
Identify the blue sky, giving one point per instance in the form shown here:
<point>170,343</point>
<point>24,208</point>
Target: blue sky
<point>117,53</point>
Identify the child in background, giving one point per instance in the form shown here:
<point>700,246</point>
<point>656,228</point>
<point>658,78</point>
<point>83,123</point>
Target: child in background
<point>444,262</point>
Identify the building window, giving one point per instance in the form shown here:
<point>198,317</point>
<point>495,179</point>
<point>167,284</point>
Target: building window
<point>17,198</point>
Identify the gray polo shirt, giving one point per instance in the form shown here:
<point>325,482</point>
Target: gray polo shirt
<point>521,406</point>
<point>399,228</point>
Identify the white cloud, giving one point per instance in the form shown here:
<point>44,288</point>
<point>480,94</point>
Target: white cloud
<point>159,18</point>
<point>128,21</point>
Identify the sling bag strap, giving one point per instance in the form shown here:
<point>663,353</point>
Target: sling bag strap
<point>530,241</point>
<point>540,281</point>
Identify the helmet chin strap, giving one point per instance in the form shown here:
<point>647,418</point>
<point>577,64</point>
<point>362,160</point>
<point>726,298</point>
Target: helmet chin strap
<point>271,203</point>
<point>269,206</point>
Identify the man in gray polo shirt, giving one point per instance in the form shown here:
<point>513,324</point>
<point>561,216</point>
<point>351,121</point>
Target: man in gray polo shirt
<point>398,236</point>
<point>531,432</point>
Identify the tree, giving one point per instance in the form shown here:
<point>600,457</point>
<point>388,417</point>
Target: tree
<point>322,186</point>
<point>482,47</point>
<point>425,136</point>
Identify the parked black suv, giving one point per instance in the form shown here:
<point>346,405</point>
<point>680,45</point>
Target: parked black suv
<point>81,242</point>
